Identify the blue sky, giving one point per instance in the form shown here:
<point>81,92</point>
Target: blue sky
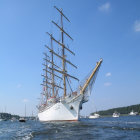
<point>101,29</point>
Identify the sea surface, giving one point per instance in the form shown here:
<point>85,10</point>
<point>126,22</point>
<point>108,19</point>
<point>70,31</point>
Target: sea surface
<point>122,128</point>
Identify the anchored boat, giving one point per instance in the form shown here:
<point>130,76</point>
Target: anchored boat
<point>132,113</point>
<point>94,116</point>
<point>59,101</point>
<point>22,119</point>
<point>116,114</point>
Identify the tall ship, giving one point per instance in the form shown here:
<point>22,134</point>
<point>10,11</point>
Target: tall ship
<point>59,101</point>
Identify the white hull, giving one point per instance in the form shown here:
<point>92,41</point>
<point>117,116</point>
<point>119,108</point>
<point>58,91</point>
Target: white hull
<point>94,116</point>
<point>132,113</point>
<point>116,115</point>
<point>22,120</point>
<point>66,110</point>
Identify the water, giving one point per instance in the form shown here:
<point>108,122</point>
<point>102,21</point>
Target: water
<point>122,128</point>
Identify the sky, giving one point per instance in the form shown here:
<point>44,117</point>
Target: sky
<point>105,29</point>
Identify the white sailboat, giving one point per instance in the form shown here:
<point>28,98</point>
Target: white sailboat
<point>23,119</point>
<point>94,116</point>
<point>59,104</point>
<point>132,113</point>
<point>116,114</point>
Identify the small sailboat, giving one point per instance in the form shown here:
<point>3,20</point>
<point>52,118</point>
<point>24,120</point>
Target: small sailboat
<point>94,116</point>
<point>22,119</point>
<point>132,113</point>
<point>116,114</point>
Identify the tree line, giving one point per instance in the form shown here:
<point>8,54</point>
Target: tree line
<point>7,116</point>
<point>121,110</point>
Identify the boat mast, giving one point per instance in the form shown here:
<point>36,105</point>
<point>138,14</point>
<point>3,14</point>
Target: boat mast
<point>52,67</point>
<point>45,87</point>
<point>25,110</point>
<point>63,55</point>
<point>47,68</point>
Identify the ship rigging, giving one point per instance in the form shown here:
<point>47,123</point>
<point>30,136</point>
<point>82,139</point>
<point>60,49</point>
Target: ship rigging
<point>56,79</point>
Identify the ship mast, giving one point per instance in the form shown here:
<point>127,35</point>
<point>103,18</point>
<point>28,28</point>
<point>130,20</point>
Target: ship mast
<point>63,55</point>
<point>49,82</point>
<point>45,86</point>
<point>52,67</point>
<point>46,89</point>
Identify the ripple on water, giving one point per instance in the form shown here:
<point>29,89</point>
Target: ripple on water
<point>103,128</point>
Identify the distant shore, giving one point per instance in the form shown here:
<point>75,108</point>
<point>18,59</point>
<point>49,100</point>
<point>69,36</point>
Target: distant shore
<point>8,116</point>
<point>124,111</point>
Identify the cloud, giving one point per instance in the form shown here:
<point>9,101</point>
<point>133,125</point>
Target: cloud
<point>25,100</point>
<point>107,84</point>
<point>105,7</point>
<point>19,85</point>
<point>137,26</point>
<point>108,74</point>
